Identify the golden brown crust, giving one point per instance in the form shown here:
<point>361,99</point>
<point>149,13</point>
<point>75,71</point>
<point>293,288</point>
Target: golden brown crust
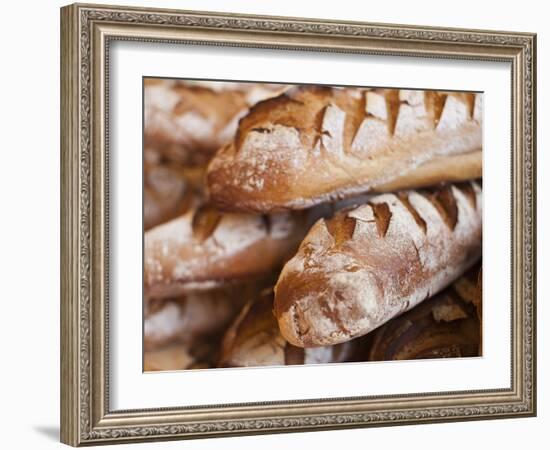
<point>205,247</point>
<point>313,144</point>
<point>443,326</point>
<point>364,266</point>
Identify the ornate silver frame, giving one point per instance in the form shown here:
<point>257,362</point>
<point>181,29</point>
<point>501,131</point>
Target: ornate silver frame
<point>86,31</point>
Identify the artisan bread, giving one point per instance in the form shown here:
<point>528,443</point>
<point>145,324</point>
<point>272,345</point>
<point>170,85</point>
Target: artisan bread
<point>365,265</point>
<point>254,340</point>
<point>205,247</point>
<point>313,144</point>
<point>445,326</point>
<point>186,121</point>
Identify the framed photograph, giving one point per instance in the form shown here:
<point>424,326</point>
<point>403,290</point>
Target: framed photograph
<point>277,225</point>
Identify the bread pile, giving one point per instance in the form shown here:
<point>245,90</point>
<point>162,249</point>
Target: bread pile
<point>309,224</point>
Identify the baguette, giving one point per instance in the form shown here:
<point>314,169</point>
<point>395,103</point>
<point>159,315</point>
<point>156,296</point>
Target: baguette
<point>366,265</point>
<point>313,144</point>
<point>205,248</point>
<point>190,121</point>
<point>254,340</point>
<point>445,326</point>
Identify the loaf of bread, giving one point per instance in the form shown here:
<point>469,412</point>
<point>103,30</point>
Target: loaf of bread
<point>444,326</point>
<point>366,265</point>
<point>313,144</point>
<point>196,316</point>
<point>205,248</point>
<point>254,340</point>
<point>189,121</point>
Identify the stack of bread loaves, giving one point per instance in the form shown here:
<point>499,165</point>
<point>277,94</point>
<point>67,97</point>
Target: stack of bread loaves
<point>309,224</point>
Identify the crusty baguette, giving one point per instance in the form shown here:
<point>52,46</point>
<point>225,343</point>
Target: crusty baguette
<point>186,120</point>
<point>205,247</point>
<point>364,266</point>
<point>193,317</point>
<point>312,144</point>
<point>445,326</point>
<point>254,340</point>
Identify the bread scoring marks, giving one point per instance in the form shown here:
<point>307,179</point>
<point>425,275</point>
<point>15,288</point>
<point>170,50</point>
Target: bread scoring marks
<point>458,110</point>
<point>373,130</point>
<point>383,104</point>
<point>371,135</point>
<point>412,117</point>
<point>378,213</point>
<point>332,130</point>
<point>403,228</point>
<point>360,288</point>
<point>404,197</point>
<point>444,201</point>
<point>382,216</point>
<point>376,105</point>
<point>406,113</point>
<point>435,103</point>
